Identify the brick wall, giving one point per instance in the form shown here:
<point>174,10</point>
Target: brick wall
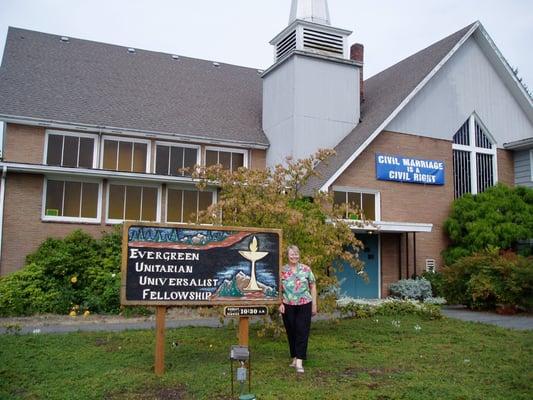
<point>404,202</point>
<point>505,167</point>
<point>258,159</point>
<point>24,144</point>
<point>23,228</point>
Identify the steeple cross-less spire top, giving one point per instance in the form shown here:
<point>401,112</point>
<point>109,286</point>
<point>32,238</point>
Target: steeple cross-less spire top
<point>310,10</point>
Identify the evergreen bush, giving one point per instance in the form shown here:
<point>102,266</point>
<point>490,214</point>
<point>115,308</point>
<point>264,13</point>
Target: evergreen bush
<point>77,273</point>
<point>414,289</point>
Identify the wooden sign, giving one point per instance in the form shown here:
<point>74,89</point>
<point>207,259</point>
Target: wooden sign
<point>168,265</point>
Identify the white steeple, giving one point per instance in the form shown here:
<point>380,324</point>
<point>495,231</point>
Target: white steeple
<point>310,10</point>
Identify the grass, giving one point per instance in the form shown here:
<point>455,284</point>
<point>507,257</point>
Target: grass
<point>348,359</point>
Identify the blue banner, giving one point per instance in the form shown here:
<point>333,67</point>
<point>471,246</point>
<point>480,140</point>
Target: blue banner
<point>409,170</point>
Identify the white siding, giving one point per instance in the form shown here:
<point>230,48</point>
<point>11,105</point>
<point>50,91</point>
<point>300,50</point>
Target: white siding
<point>467,83</point>
<point>523,168</point>
<point>308,103</point>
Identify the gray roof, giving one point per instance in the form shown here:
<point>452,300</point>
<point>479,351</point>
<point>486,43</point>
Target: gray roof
<point>384,92</point>
<point>99,84</point>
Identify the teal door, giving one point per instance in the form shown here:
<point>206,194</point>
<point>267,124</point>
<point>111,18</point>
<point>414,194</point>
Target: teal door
<point>353,285</point>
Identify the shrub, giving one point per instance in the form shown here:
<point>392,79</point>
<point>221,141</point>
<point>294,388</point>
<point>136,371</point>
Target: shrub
<point>488,278</point>
<point>437,282</point>
<point>357,308</point>
<point>77,272</point>
<point>499,217</point>
<point>414,289</point>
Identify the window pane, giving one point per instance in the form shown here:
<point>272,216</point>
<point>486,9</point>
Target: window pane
<point>125,156</point>
<point>139,157</point>
<point>190,159</point>
<point>110,154</point>
<point>149,206</point>
<point>224,158</point>
<point>116,202</point>
<point>133,203</point>
<point>53,153</point>
<point>86,152</point>
<point>369,206</point>
<point>190,204</point>
<point>174,198</point>
<point>176,160</point>
<point>54,198</point>
<point>89,202</point>
<point>211,158</point>
<point>71,206</point>
<point>70,151</point>
<point>339,197</point>
<point>237,160</point>
<point>354,199</point>
<point>205,200</point>
<point>161,160</point>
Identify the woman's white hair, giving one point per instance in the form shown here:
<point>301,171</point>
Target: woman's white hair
<point>294,248</point>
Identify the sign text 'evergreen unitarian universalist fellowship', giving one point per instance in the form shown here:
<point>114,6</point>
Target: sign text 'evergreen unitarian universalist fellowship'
<point>189,264</point>
<point>409,170</point>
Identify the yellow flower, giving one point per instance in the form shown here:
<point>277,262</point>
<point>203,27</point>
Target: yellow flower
<point>74,279</point>
<point>86,313</point>
<point>72,313</point>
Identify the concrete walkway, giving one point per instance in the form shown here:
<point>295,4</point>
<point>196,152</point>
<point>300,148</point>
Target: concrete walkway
<point>65,324</point>
<point>518,321</point>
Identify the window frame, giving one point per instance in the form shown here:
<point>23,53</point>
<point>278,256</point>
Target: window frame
<point>227,150</point>
<point>214,193</point>
<point>49,218</point>
<point>75,134</point>
<point>175,144</point>
<point>473,150</point>
<point>113,221</point>
<point>531,164</point>
<point>148,143</point>
<point>376,193</point>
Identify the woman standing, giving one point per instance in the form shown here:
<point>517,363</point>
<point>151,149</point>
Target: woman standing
<point>299,304</point>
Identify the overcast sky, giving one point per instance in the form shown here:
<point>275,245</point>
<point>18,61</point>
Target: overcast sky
<point>238,31</point>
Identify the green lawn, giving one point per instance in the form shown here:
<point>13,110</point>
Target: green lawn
<point>348,359</point>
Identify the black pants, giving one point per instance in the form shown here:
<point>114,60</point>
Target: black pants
<point>297,321</point>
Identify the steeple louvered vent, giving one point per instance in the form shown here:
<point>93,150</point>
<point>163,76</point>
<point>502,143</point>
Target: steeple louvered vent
<point>286,46</point>
<point>323,42</point>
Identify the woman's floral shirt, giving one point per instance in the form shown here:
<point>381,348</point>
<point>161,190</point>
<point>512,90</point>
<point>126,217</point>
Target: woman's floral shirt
<point>295,285</point>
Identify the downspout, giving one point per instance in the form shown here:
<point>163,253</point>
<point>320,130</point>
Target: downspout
<point>2,197</point>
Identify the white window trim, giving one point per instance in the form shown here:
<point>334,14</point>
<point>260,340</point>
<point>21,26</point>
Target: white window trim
<point>472,149</point>
<point>227,150</point>
<point>376,193</point>
<point>531,164</point>
<point>76,134</point>
<point>175,144</point>
<point>122,183</point>
<point>185,187</point>
<point>45,217</point>
<point>127,139</point>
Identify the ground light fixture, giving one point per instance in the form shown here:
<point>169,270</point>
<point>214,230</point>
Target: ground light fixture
<point>241,355</point>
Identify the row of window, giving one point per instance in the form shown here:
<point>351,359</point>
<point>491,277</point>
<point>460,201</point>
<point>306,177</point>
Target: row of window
<point>66,200</point>
<point>79,150</point>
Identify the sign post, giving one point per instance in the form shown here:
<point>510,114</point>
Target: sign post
<point>176,265</point>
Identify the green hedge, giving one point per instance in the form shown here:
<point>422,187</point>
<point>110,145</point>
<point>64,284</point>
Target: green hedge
<point>488,278</point>
<point>77,273</point>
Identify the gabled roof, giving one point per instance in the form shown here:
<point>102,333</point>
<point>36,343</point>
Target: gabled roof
<point>385,95</point>
<point>101,85</point>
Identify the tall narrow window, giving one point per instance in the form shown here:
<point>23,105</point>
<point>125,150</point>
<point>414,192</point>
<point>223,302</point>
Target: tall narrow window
<point>125,155</point>
<point>230,159</point>
<point>71,200</point>
<point>70,150</point>
<point>173,160</point>
<point>133,203</point>
<point>474,158</point>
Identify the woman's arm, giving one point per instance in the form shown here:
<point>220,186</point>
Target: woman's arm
<point>314,308</point>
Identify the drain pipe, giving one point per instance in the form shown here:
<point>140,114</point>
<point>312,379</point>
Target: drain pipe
<point>2,197</point>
